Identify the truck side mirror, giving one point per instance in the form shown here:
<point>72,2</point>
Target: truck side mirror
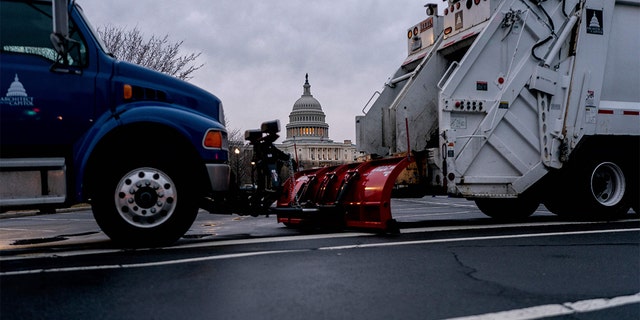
<point>60,44</point>
<point>59,36</point>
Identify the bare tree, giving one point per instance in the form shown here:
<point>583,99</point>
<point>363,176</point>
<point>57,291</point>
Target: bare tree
<point>240,156</point>
<point>156,53</point>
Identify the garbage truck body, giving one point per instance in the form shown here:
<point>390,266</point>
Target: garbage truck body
<point>527,102</point>
<point>511,103</point>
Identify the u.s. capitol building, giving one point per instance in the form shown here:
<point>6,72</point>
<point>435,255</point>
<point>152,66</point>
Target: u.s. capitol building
<point>307,135</point>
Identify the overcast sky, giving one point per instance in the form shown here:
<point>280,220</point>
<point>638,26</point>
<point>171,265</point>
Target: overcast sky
<point>256,53</point>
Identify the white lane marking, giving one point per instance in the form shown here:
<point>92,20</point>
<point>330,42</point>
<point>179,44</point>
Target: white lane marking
<point>515,236</point>
<point>192,245</point>
<point>553,310</point>
<point>240,255</point>
<point>503,226</point>
<point>289,238</point>
<point>148,264</point>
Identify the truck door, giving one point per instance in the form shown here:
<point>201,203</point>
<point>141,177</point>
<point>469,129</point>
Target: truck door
<point>45,105</point>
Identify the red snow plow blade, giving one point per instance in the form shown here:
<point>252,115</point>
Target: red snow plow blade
<point>356,195</point>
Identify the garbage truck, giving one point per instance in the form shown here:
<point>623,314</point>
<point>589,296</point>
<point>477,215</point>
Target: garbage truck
<point>509,103</point>
<point>77,125</point>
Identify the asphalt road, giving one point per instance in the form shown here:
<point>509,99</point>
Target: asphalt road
<point>449,261</point>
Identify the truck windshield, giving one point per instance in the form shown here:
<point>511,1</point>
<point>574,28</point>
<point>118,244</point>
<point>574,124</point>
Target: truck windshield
<point>32,37</point>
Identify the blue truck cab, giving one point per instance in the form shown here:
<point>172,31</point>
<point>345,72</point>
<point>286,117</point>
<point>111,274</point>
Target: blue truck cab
<point>79,126</point>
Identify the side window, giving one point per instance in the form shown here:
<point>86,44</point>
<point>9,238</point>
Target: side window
<point>25,29</point>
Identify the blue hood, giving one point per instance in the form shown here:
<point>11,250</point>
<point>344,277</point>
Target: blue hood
<point>150,85</point>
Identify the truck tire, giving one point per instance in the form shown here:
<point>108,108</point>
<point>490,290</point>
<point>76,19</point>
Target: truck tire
<point>597,189</point>
<point>605,190</point>
<point>507,209</point>
<point>145,206</point>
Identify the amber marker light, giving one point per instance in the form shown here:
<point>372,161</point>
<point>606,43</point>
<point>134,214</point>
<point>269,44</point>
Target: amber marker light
<point>127,91</point>
<point>213,139</point>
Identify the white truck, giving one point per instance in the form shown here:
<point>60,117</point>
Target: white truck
<point>514,103</point>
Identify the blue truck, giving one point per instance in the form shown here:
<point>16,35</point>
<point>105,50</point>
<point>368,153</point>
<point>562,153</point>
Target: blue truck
<point>145,149</point>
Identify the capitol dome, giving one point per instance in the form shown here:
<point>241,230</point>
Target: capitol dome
<point>308,135</point>
<point>307,101</point>
<point>307,120</point>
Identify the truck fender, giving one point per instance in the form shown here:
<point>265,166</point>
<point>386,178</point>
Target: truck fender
<point>183,121</point>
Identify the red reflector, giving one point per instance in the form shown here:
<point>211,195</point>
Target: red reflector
<point>631,113</point>
<point>605,111</point>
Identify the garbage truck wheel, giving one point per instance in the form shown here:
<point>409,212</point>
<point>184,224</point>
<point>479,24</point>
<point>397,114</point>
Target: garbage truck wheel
<point>597,189</point>
<point>605,187</point>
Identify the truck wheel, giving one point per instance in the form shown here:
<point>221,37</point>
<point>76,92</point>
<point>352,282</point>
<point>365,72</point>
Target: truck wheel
<point>144,206</point>
<point>507,209</point>
<point>591,191</point>
<point>604,192</point>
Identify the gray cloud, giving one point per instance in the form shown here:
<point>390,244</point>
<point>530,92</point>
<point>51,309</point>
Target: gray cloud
<point>256,53</point>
